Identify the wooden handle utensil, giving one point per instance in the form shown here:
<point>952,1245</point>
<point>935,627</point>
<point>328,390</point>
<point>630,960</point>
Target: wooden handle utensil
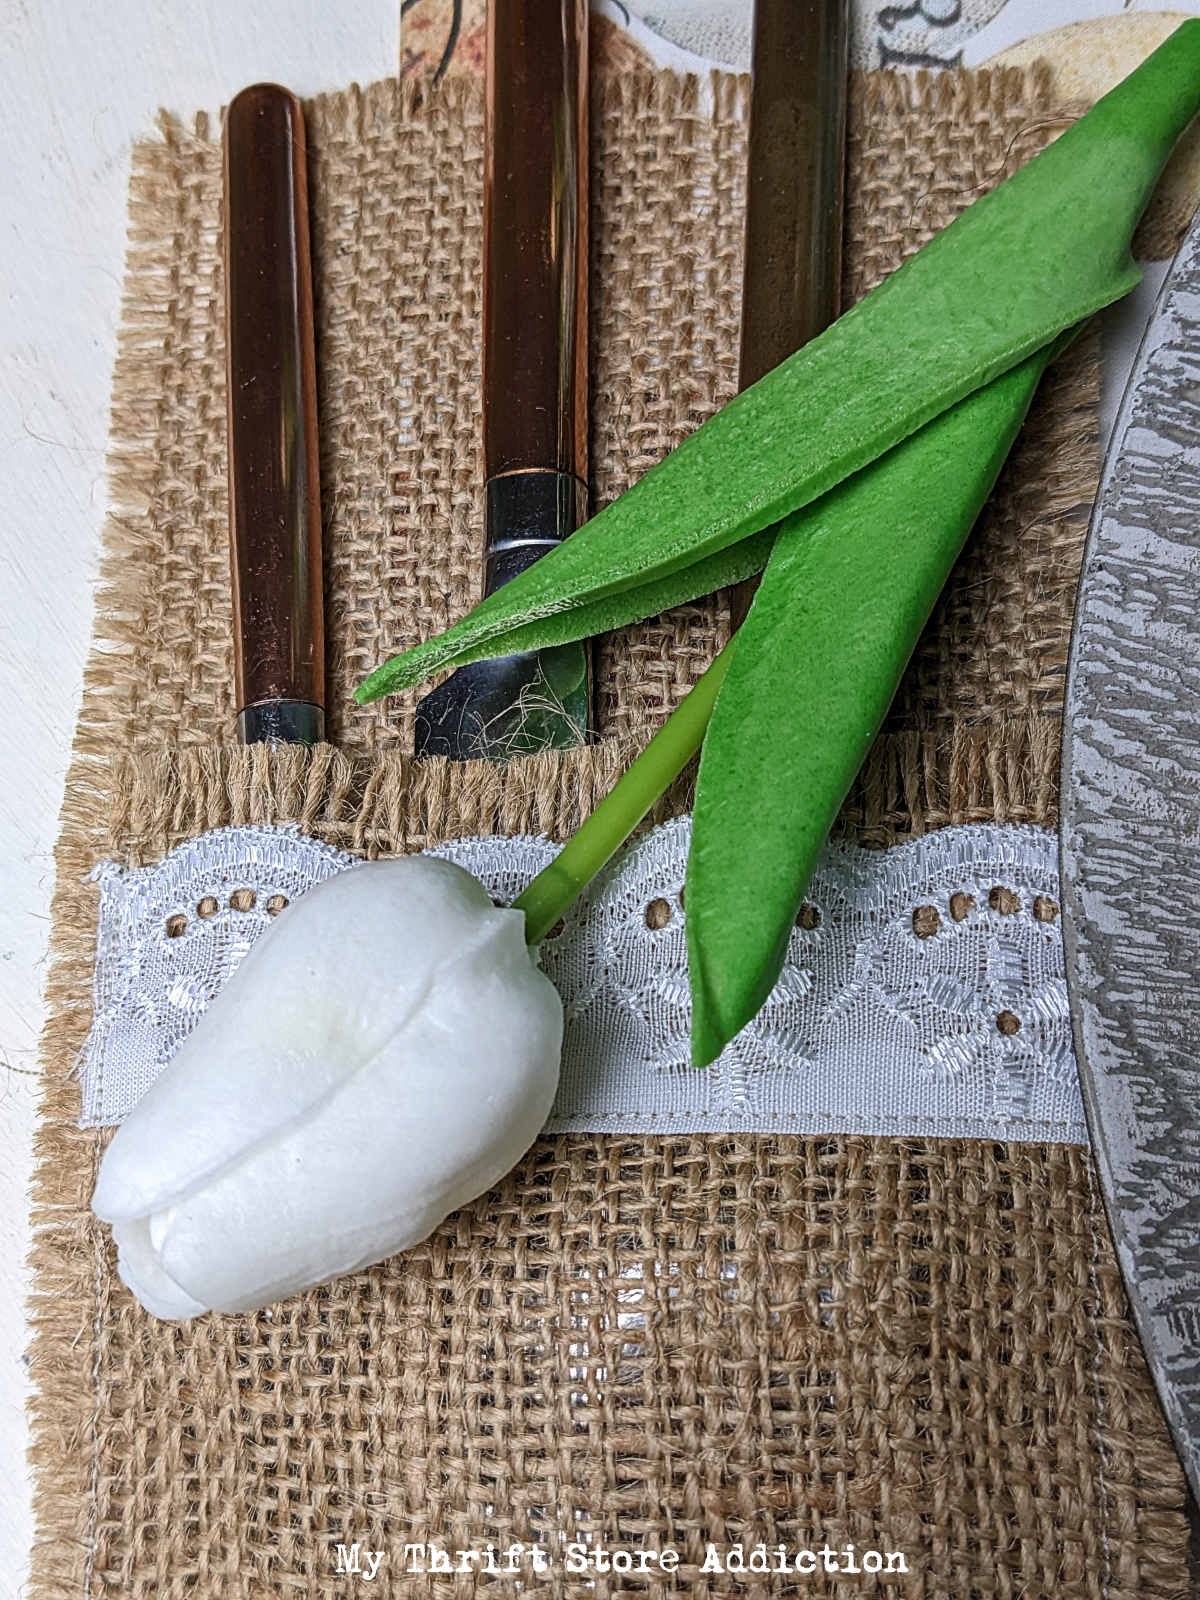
<point>792,279</point>
<point>534,373</point>
<point>274,488</point>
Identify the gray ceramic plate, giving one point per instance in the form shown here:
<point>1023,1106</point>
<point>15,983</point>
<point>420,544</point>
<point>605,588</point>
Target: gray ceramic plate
<point>1131,843</point>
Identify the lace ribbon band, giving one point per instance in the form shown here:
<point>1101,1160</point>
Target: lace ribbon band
<point>923,993</point>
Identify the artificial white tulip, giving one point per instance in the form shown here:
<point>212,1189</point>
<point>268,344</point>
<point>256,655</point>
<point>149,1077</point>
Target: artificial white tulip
<point>386,1051</point>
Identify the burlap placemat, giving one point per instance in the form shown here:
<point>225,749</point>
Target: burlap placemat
<point>911,1346</point>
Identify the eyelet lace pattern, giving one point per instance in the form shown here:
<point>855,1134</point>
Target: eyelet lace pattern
<point>923,992</point>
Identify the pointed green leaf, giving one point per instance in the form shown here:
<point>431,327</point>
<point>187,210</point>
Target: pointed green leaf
<point>1038,254</point>
<point>848,588</point>
<point>584,621</point>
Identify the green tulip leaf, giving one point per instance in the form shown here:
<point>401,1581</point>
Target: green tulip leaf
<point>611,611</point>
<point>1040,253</point>
<point>849,586</point>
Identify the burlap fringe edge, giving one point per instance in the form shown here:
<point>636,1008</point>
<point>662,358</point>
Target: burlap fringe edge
<point>143,803</point>
<point>66,1253</point>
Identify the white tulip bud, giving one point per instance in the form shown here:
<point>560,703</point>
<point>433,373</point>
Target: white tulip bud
<point>385,1052</point>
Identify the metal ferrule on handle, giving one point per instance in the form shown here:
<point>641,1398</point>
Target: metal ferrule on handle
<point>274,489</point>
<point>528,513</point>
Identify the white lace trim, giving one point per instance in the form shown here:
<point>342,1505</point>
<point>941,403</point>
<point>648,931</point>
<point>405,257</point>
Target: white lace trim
<point>923,993</point>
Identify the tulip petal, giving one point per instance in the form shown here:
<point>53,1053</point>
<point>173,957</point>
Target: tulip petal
<point>142,1272</point>
<point>442,1112</point>
<point>320,994</point>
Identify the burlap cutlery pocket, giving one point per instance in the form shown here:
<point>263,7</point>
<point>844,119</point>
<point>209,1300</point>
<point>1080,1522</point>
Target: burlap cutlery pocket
<point>914,1347</point>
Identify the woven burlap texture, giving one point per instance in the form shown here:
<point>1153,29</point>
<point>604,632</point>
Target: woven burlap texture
<point>397,235</point>
<point>911,1346</point>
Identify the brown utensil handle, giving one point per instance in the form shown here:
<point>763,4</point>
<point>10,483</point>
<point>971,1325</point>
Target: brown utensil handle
<point>791,287</point>
<point>535,239</point>
<point>274,488</point>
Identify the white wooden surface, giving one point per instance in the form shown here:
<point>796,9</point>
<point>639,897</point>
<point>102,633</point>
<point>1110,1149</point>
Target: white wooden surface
<point>81,82</point>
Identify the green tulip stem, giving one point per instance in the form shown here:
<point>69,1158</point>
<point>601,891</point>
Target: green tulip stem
<point>618,814</point>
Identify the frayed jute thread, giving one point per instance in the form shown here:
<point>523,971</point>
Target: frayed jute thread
<point>917,1346</point>
<point>387,804</point>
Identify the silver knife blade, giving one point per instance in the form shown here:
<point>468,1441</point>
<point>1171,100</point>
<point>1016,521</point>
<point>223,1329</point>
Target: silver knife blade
<point>1130,832</point>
